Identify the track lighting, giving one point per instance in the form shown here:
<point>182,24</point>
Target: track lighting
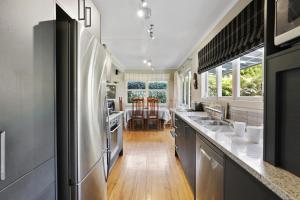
<point>147,62</point>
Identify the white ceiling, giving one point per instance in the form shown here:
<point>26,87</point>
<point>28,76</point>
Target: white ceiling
<point>179,25</point>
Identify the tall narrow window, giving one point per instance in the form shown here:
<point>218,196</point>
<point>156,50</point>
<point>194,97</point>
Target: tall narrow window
<point>227,79</point>
<point>251,74</point>
<point>187,89</point>
<point>212,83</point>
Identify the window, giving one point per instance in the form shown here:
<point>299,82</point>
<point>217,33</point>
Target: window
<point>186,89</point>
<point>158,89</point>
<point>251,74</point>
<point>135,89</point>
<point>154,89</point>
<point>227,79</point>
<point>111,91</point>
<point>242,77</point>
<point>212,83</point>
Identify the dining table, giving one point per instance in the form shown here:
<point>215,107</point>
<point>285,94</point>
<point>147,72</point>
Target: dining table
<point>163,114</point>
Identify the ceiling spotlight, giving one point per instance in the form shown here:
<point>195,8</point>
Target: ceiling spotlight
<point>141,13</point>
<point>144,4</point>
<point>145,61</point>
<point>149,63</point>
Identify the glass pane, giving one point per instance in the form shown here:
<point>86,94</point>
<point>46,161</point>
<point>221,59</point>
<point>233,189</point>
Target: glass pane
<point>161,95</point>
<point>251,74</point>
<point>187,86</point>
<point>111,91</point>
<point>158,85</point>
<point>212,82</point>
<point>227,79</point>
<point>135,94</point>
<point>136,85</point>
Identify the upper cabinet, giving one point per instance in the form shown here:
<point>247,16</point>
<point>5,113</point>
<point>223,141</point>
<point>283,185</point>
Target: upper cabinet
<point>73,8</point>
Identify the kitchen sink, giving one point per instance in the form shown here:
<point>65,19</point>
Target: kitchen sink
<point>219,128</point>
<point>216,122</point>
<point>197,118</point>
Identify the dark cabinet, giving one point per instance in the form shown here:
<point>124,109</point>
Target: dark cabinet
<point>27,103</point>
<point>239,184</point>
<point>282,110</point>
<point>185,142</point>
<point>190,156</point>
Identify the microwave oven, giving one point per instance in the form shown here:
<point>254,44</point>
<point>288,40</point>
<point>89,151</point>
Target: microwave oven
<point>287,21</point>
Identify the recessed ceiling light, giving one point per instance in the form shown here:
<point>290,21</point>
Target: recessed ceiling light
<point>141,13</point>
<point>144,3</point>
<point>149,63</point>
<point>145,61</point>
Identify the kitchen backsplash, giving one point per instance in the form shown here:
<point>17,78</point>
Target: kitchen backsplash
<point>252,118</point>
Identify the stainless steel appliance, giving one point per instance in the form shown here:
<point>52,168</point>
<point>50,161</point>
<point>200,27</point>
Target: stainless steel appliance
<point>82,113</point>
<point>115,139</point>
<point>209,172</point>
<point>287,20</point>
<point>111,106</point>
<point>27,102</point>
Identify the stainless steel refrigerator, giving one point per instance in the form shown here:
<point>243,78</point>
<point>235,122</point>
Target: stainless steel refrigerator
<point>81,113</point>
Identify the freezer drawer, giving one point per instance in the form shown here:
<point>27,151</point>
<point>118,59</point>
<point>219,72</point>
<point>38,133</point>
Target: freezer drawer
<point>39,184</point>
<point>209,173</point>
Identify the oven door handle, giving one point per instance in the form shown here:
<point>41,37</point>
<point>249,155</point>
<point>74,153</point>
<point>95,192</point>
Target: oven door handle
<point>115,128</point>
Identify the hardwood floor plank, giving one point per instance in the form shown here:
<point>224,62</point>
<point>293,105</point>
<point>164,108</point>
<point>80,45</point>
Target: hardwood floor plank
<point>148,169</point>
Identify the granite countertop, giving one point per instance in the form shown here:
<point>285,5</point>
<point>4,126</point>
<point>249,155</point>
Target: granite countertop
<point>250,157</point>
<point>115,114</point>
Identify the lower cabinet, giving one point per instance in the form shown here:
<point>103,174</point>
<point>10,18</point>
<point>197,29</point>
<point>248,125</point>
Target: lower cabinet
<point>185,142</point>
<point>239,184</point>
<point>210,173</point>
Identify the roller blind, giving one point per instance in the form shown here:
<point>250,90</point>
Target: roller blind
<point>243,34</point>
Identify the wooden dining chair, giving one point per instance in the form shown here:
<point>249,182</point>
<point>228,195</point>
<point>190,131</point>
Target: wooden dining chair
<point>137,112</point>
<point>152,112</point>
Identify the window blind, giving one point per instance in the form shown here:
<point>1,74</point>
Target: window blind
<point>243,34</point>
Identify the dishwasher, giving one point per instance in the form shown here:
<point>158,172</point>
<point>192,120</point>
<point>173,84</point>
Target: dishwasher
<point>209,172</point>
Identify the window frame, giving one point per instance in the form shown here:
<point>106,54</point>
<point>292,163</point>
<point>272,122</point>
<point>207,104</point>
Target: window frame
<point>147,90</point>
<point>235,84</point>
<point>187,102</point>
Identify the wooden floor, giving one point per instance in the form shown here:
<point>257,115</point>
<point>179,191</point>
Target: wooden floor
<point>148,169</point>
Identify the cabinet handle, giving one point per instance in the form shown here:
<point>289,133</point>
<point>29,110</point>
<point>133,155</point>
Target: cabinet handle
<point>115,129</point>
<point>173,133</point>
<point>205,154</point>
<point>2,155</point>
<point>88,17</point>
<point>81,6</point>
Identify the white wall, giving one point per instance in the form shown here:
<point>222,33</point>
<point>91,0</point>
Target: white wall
<point>143,75</point>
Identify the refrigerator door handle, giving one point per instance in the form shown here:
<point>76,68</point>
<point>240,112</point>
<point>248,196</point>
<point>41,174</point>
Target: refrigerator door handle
<point>2,155</point>
<point>107,152</point>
